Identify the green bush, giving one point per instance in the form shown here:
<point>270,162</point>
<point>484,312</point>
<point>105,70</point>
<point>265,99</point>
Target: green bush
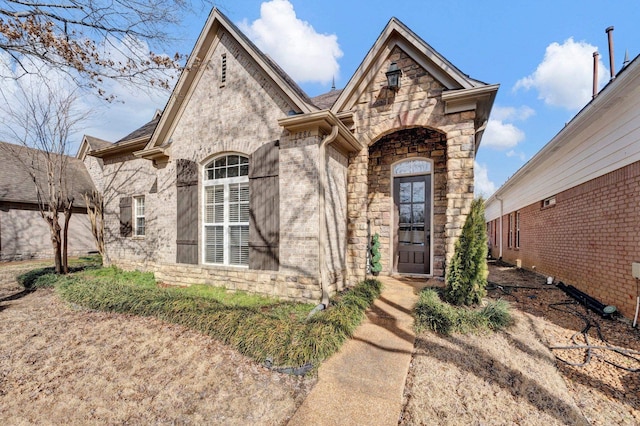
<point>263,328</point>
<point>467,272</point>
<point>376,266</point>
<point>434,314</point>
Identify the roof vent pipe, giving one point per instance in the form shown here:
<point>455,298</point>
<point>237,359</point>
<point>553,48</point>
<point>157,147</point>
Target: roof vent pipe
<point>596,56</point>
<point>612,64</point>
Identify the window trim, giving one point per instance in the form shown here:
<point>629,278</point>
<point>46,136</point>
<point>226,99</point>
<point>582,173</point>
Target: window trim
<point>549,202</point>
<point>510,232</point>
<point>226,224</point>
<point>135,216</point>
<point>517,233</point>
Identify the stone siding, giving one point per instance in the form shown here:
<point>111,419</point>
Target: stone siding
<point>267,283</point>
<point>418,103</point>
<point>411,143</point>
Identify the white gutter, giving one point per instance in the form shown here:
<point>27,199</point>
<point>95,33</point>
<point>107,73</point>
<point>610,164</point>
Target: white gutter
<point>322,175</point>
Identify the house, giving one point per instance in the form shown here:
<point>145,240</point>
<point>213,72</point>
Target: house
<point>573,211</point>
<point>246,182</point>
<point>24,234</point>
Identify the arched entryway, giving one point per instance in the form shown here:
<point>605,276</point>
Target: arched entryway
<point>407,189</point>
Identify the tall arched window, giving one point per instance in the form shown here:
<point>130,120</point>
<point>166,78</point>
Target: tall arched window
<point>226,210</point>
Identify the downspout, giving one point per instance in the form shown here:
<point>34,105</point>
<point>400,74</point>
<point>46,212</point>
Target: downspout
<point>322,177</point>
<point>501,213</point>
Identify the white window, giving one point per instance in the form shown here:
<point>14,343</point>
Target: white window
<point>226,211</point>
<point>548,202</point>
<point>139,220</point>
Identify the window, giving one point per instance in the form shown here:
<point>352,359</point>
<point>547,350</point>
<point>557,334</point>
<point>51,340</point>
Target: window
<point>510,236</point>
<point>549,202</point>
<point>139,222</point>
<point>226,211</point>
<point>517,230</point>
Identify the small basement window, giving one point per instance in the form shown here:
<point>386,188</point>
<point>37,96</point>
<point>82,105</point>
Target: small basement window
<point>549,202</point>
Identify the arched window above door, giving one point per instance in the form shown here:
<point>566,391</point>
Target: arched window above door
<point>412,167</point>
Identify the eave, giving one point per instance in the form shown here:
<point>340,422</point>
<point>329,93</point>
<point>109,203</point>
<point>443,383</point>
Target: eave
<point>478,99</point>
<point>324,121</point>
<point>121,148</point>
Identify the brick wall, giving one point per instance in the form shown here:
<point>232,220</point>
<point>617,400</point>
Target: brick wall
<point>238,116</point>
<point>589,238</point>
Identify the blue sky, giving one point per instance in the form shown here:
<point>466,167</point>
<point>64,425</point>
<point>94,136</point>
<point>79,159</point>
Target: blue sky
<point>540,52</point>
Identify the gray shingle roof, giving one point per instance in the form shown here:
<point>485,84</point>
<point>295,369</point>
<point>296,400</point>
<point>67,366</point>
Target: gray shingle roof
<point>16,184</point>
<point>97,143</point>
<point>326,100</point>
<point>144,131</point>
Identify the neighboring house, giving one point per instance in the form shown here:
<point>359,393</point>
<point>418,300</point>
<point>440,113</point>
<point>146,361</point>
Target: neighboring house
<point>24,234</point>
<point>246,182</point>
<point>573,211</point>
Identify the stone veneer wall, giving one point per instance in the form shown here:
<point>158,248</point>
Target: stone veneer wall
<point>379,112</point>
<point>403,144</point>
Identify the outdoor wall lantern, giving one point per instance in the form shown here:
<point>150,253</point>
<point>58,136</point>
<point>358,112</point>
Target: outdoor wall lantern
<point>393,77</point>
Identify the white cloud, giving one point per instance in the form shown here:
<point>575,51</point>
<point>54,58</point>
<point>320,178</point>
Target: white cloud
<point>564,78</point>
<point>521,155</point>
<point>512,113</point>
<point>304,54</point>
<point>483,186</point>
<point>500,135</point>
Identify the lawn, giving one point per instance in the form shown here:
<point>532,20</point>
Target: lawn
<point>268,330</point>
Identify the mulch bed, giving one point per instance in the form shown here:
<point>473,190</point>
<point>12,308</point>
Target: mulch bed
<point>603,382</point>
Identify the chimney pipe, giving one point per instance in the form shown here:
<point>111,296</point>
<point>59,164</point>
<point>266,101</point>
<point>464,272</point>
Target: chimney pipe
<point>596,56</point>
<point>612,64</point>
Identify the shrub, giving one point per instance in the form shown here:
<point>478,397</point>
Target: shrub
<point>434,314</point>
<point>261,328</point>
<point>467,272</point>
<point>376,266</point>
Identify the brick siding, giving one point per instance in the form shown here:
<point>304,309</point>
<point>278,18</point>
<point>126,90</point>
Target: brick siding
<point>588,239</point>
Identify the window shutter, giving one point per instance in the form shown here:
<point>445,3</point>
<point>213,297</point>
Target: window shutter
<point>187,211</point>
<point>125,217</point>
<point>264,208</point>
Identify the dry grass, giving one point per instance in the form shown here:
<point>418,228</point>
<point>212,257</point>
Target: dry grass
<point>503,378</point>
<point>511,377</point>
<point>65,366</point>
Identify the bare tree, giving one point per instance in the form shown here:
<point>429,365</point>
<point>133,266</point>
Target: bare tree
<point>95,210</point>
<point>41,122</point>
<point>91,40</point>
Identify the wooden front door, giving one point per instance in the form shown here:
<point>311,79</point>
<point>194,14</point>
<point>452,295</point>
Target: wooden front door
<point>412,199</point>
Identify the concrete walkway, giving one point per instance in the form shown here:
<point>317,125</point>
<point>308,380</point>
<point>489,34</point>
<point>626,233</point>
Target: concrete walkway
<point>363,383</point>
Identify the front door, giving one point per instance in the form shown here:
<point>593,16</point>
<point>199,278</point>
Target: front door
<point>412,199</point>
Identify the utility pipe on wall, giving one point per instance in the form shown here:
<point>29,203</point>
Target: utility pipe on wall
<point>501,213</point>
<point>323,182</point>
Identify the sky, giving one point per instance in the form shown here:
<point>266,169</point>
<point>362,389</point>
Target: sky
<point>540,52</point>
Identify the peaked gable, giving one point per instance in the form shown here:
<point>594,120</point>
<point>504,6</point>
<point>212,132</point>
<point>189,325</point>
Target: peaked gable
<point>398,35</point>
<point>209,38</point>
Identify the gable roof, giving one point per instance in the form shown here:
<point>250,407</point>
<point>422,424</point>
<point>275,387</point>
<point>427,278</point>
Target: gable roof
<point>205,44</point>
<point>326,100</point>
<point>16,183</point>
<point>459,86</point>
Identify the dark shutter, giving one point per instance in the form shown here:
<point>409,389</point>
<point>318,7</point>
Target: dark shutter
<point>125,217</point>
<point>264,225</point>
<point>187,211</point>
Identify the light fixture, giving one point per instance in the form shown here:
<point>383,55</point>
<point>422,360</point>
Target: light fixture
<point>393,77</point>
